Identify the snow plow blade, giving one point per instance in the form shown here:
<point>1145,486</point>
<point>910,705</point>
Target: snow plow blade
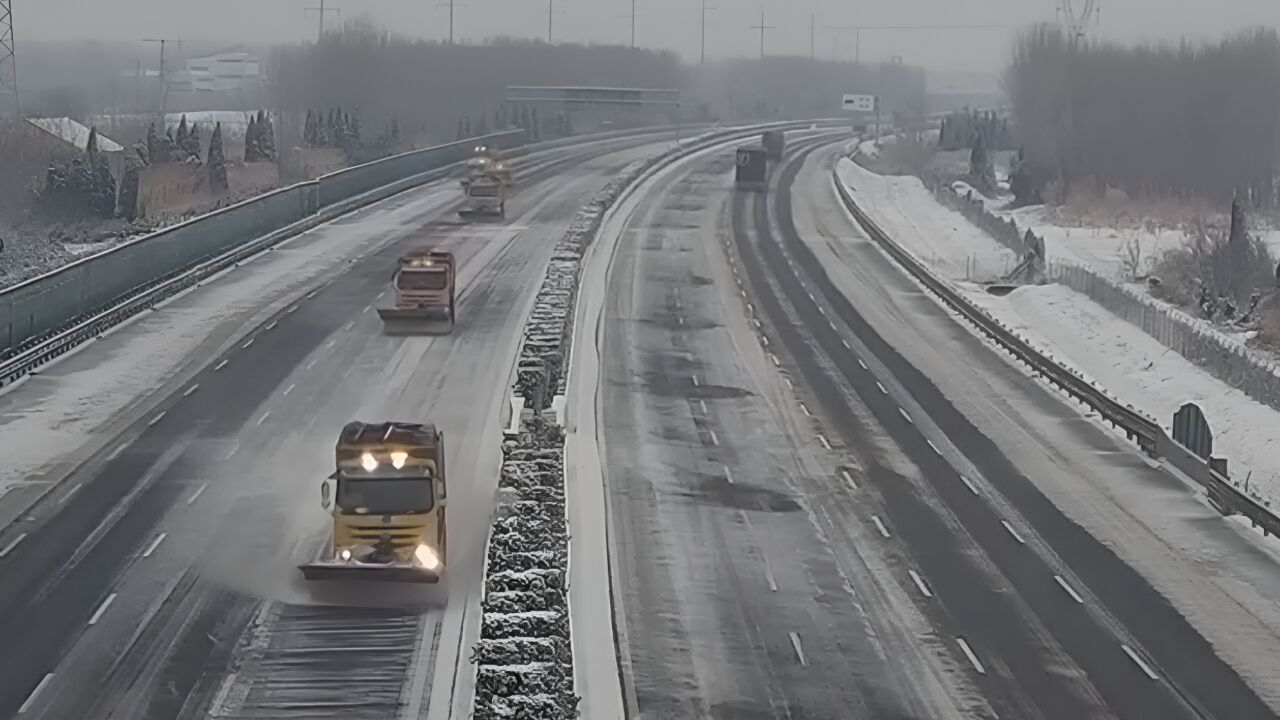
<point>481,214</point>
<point>356,572</point>
<point>400,321</point>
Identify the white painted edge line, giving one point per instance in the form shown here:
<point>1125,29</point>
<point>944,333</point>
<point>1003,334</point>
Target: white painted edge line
<point>795,645</point>
<point>968,653</point>
<point>920,584</point>
<point>264,417</point>
<point>102,609</point>
<point>9,548</point>
<point>154,544</point>
<point>191,389</point>
<point>884,531</point>
<point>881,387</point>
<point>1013,532</point>
<point>35,694</point>
<point>1062,583</point>
<point>848,478</point>
<point>70,492</point>
<point>1146,669</point>
<point>273,324</point>
<point>196,495</point>
<point>826,444</point>
<point>934,447</point>
<point>969,484</point>
<point>905,416</point>
<point>156,419</point>
<point>728,474</point>
<point>715,439</point>
<point>289,389</point>
<point>221,365</point>
<point>805,409</point>
<point>247,344</point>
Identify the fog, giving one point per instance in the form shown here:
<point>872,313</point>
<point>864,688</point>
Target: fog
<point>661,24</point>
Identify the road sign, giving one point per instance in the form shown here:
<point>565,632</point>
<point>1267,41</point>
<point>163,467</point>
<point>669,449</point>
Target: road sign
<point>859,103</point>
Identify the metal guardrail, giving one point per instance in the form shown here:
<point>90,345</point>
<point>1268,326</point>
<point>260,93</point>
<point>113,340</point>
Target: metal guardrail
<point>1146,432</point>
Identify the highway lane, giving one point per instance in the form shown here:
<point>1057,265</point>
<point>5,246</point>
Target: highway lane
<point>741,595</point>
<point>149,533</point>
<point>999,574</point>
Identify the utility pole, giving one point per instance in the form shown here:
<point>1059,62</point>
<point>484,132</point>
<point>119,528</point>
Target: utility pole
<point>164,79</point>
<point>8,56</point>
<point>813,35</point>
<point>761,27</point>
<point>321,11</point>
<point>449,5</point>
<point>633,24</point>
<point>702,53</point>
<point>551,4</point>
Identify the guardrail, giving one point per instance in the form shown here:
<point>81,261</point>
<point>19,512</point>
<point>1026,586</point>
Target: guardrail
<point>1149,435</point>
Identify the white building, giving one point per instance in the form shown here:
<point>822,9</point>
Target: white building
<point>225,72</point>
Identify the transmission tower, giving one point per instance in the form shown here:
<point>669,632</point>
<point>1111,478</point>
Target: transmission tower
<point>8,59</point>
<point>1077,16</point>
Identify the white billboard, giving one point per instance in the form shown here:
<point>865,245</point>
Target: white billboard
<point>859,103</point>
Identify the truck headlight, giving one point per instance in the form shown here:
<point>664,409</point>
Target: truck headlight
<point>427,557</point>
<point>345,555</point>
<point>369,462</point>
<point>399,458</point>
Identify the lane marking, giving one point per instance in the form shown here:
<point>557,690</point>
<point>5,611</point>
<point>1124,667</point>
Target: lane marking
<point>289,389</point>
<point>805,409</point>
<point>728,474</point>
<point>312,294</point>
<point>774,358</point>
<point>715,440</point>
<point>905,416</point>
<point>973,659</point>
<point>35,694</point>
<point>221,365</point>
<point>822,310</point>
<point>934,447</point>
<point>1146,669</point>
<point>862,364</point>
<point>702,405</point>
<point>9,548</point>
<point>116,453</point>
<point>681,319</point>
<point>882,390</point>
<point>823,439</point>
<point>795,645</point>
<point>70,492</point>
<point>696,381</point>
<point>191,389</point>
<point>291,310</point>
<point>920,584</point>
<point>196,495</point>
<point>156,419</point>
<point>768,573</point>
<point>848,478</point>
<point>756,322</point>
<point>880,525</point>
<point>743,293</point>
<point>811,297</point>
<point>331,344</point>
<point>311,364</point>
<point>380,295</point>
<point>789,383</point>
<point>764,341</point>
<point>969,485</point>
<point>231,452</point>
<point>102,609</point>
<point>1013,532</point>
<point>350,324</point>
<point>154,544</point>
<point>264,417</point>
<point>365,310</point>
<point>273,324</point>
<point>1062,583</point>
<point>246,345</point>
<point>845,343</point>
<point>751,308</point>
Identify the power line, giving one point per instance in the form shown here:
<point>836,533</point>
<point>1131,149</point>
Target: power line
<point>762,27</point>
<point>1078,15</point>
<point>857,31</point>
<point>164,78</point>
<point>8,56</point>
<point>321,11</point>
<point>551,4</point>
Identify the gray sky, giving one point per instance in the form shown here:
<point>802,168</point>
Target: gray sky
<point>672,24</point>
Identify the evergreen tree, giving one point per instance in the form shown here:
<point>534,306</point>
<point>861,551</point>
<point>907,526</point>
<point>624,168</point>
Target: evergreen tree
<point>167,145</point>
<point>395,132</point>
<point>153,144</point>
<point>266,137</point>
<point>183,131</point>
<point>251,141</point>
<point>524,121</point>
<point>193,146</point>
<point>980,170</point>
<point>91,145</point>
<point>217,162</point>
<point>309,129</point>
<point>357,132</point>
<point>462,130</point>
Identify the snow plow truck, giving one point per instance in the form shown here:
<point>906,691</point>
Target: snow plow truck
<point>387,500</point>
<point>423,288</point>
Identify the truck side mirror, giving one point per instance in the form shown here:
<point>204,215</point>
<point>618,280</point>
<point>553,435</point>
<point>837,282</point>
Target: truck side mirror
<point>325,492</point>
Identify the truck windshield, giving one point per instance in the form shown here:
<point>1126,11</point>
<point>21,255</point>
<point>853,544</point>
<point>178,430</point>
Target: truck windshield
<point>423,280</point>
<point>484,190</point>
<point>385,496</point>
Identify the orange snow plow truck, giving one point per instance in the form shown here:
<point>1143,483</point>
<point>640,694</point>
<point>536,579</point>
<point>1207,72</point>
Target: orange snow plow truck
<point>423,287</point>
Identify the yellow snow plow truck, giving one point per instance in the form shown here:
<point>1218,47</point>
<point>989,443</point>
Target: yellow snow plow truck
<point>424,294</point>
<point>387,499</point>
<point>487,162</point>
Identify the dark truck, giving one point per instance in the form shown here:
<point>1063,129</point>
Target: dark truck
<point>775,143</point>
<point>753,167</point>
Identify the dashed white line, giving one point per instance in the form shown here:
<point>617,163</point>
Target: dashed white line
<point>331,344</point>
<point>774,358</point>
<point>365,310</point>
<point>934,447</point>
<point>1062,583</point>
<point>728,474</point>
<point>845,343</point>
<point>805,409</point>
<point>102,609</point>
<point>156,419</point>
<point>795,645</point>
<point>920,584</point>
<point>196,495</point>
<point>743,293</point>
<point>862,364</point>
<point>291,310</point>
<point>70,492</point>
<point>811,297</point>
<point>154,544</point>
<point>751,308</point>
<point>764,340</point>
<point>973,659</point>
<point>311,364</point>
<point>191,389</point>
<point>247,344</point>
<point>264,417</point>
<point>9,548</point>
<point>756,322</point>
<point>1013,532</point>
<point>116,453</point>
<point>969,484</point>
<point>31,699</point>
<point>884,531</point>
<point>905,416</point>
<point>221,365</point>
<point>826,444</point>
<point>681,319</point>
<point>696,381</point>
<point>715,439</point>
<point>822,310</point>
<point>881,387</point>
<point>232,451</point>
<point>702,405</point>
<point>768,573</point>
<point>289,389</point>
<point>350,324</point>
<point>312,294</point>
<point>1146,669</point>
<point>848,477</point>
<point>380,296</point>
<point>273,325</point>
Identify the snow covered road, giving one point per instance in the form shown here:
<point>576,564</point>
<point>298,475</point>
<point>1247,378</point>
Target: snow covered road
<point>138,575</point>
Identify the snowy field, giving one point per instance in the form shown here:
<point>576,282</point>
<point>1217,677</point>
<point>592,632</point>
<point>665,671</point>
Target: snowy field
<point>1132,365</point>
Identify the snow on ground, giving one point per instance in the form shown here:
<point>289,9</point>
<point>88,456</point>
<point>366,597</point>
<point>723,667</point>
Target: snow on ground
<point>1103,249</point>
<point>908,212</point>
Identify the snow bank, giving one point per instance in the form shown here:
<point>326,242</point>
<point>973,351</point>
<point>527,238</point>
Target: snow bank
<point>905,209</point>
<point>1140,371</point>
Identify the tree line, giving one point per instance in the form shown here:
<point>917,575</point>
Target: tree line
<point>1153,120</point>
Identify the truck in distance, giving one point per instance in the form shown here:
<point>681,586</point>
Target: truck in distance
<point>775,143</point>
<point>424,294</point>
<point>387,498</point>
<point>485,196</point>
<point>752,167</point>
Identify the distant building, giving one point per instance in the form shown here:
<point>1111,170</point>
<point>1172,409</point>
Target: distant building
<point>226,72</point>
